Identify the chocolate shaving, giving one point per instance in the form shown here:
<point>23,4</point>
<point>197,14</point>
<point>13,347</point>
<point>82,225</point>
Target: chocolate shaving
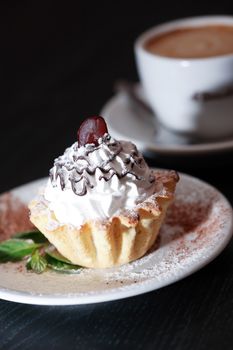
<point>133,160</point>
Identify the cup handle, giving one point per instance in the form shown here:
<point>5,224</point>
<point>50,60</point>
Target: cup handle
<point>205,96</point>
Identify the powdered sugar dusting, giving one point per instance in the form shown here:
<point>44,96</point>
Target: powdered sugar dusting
<point>193,225</point>
<point>197,228</point>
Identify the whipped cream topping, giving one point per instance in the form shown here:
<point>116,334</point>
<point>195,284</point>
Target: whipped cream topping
<point>97,182</point>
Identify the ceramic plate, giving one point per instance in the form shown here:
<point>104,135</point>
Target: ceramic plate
<point>197,228</point>
<point>128,120</point>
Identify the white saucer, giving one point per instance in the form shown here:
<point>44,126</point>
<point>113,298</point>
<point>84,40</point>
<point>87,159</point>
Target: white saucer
<point>197,229</point>
<point>128,121</point>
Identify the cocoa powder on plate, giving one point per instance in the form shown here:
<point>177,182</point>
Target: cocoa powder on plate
<point>14,216</point>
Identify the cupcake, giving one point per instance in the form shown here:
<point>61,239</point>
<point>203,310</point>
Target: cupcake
<point>102,205</point>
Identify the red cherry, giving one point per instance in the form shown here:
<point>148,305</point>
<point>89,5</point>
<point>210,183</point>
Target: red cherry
<point>91,130</point>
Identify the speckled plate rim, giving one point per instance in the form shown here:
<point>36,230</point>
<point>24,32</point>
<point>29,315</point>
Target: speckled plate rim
<point>171,149</point>
<point>129,290</point>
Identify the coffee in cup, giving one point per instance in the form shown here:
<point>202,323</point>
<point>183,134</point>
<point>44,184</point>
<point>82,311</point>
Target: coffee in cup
<point>186,70</point>
<point>193,42</point>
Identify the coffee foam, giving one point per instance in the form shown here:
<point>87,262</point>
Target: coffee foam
<point>193,42</point>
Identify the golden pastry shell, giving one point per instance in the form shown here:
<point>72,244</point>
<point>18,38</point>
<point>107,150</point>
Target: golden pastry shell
<point>116,241</point>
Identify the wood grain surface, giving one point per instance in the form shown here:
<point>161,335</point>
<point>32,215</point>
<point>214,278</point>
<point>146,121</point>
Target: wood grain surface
<point>59,66</point>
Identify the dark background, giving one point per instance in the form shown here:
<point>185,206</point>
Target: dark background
<point>59,63</point>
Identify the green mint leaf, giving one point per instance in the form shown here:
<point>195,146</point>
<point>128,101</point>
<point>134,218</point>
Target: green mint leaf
<point>16,249</point>
<point>52,251</point>
<point>36,236</point>
<point>61,266</point>
<point>28,264</point>
<point>37,262</point>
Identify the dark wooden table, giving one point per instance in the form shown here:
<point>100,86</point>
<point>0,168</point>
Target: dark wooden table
<point>60,65</point>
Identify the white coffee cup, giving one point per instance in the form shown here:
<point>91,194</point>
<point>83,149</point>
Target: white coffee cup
<point>191,96</point>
